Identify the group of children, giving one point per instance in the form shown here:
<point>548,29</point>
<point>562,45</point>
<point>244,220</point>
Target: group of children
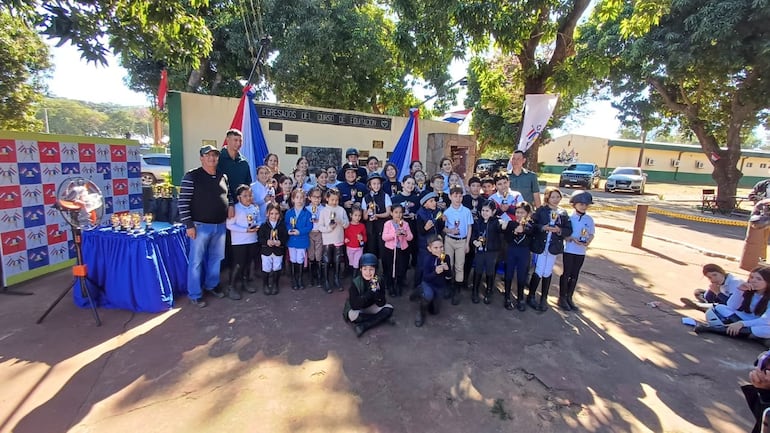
<point>443,234</point>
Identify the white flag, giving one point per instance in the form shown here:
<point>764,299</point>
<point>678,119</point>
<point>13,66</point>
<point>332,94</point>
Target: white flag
<point>537,111</point>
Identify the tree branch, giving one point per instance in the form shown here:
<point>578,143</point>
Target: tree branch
<point>566,33</point>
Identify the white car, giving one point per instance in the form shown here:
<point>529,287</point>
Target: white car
<point>626,179</point>
<point>155,166</point>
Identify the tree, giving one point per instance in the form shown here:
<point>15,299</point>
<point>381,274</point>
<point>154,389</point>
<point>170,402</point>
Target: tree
<point>24,59</point>
<point>703,65</point>
<point>172,30</point>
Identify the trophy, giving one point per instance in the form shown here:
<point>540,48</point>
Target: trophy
<point>441,258</point>
<point>148,217</point>
<point>136,221</point>
<point>332,218</point>
<point>457,224</point>
<point>115,220</point>
<point>554,216</point>
<point>439,214</point>
<point>293,222</point>
<point>371,210</point>
<point>583,235</point>
<point>360,240</point>
<point>375,284</point>
<point>314,213</point>
<point>270,192</point>
<point>274,234</point>
<point>393,189</point>
<point>125,221</point>
<point>353,193</point>
<point>482,240</point>
<point>250,220</point>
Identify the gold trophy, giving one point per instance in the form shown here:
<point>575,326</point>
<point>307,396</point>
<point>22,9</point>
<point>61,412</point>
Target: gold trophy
<point>554,216</point>
<point>583,235</point>
<point>482,240</point>
<point>250,220</point>
<point>371,211</point>
<point>293,222</point>
<point>441,258</point>
<point>148,217</point>
<point>314,213</point>
<point>136,221</point>
<point>115,220</point>
<point>375,284</point>
<point>274,234</point>
<point>332,218</point>
<point>439,214</point>
<point>125,221</point>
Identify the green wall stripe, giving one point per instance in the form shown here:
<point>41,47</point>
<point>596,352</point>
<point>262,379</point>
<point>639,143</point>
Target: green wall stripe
<point>672,177</point>
<point>24,276</point>
<point>176,136</point>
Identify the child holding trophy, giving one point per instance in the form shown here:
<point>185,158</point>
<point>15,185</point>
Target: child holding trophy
<point>332,223</point>
<point>487,241</point>
<point>397,235</point>
<point>436,275</point>
<point>299,224</point>
<point>583,230</point>
<point>551,226</point>
<point>272,240</point>
<point>243,234</point>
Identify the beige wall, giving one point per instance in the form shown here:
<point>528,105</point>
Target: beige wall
<point>208,117</point>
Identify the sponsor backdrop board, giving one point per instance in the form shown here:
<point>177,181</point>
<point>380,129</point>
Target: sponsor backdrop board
<point>35,238</point>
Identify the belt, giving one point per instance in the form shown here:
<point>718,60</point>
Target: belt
<point>457,239</point>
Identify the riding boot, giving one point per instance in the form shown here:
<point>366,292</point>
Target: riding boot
<point>276,276</point>
<point>507,302</point>
<point>521,305</point>
<point>546,286</point>
<point>533,283</point>
<point>325,278</point>
<point>337,271</point>
<point>319,266</point>
<point>266,283</point>
<point>232,289</point>
<point>456,292</point>
<point>475,288</point>
<point>488,291</point>
<point>300,271</point>
<point>293,270</point>
<point>744,332</point>
<point>420,319</point>
<point>570,293</point>
<point>369,323</point>
<point>400,283</point>
<point>313,273</point>
<point>563,291</point>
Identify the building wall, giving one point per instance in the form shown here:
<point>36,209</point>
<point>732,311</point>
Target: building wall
<point>658,159</point>
<point>197,119</point>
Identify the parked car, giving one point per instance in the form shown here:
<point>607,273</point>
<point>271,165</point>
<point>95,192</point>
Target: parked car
<point>488,167</point>
<point>154,167</point>
<point>583,174</point>
<point>626,179</point>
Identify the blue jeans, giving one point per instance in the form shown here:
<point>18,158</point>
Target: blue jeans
<point>206,252</point>
<point>430,292</point>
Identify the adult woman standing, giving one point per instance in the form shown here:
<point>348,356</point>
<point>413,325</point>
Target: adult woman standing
<point>271,161</point>
<point>757,235</point>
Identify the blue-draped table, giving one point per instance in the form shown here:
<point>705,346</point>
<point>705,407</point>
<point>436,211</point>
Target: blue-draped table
<point>139,272</point>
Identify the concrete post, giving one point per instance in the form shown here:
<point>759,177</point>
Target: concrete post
<point>640,221</point>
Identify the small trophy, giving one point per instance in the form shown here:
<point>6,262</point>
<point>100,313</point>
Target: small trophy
<point>371,210</point>
<point>125,222</point>
<point>441,258</point>
<point>393,189</point>
<point>457,224</point>
<point>482,241</point>
<point>375,284</point>
<point>314,213</point>
<point>332,218</point>
<point>136,222</point>
<point>293,222</point>
<point>583,235</point>
<point>554,216</point>
<point>274,234</point>
<point>353,194</point>
<point>360,240</point>
<point>148,217</point>
<point>115,221</point>
<point>439,214</point>
<point>271,192</point>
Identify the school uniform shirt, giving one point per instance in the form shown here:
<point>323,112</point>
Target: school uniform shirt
<point>302,223</point>
<point>582,227</point>
<point>511,198</point>
<point>333,235</point>
<point>245,218</point>
<point>748,319</point>
<point>459,217</point>
<point>351,191</point>
<point>381,202</point>
<point>270,230</point>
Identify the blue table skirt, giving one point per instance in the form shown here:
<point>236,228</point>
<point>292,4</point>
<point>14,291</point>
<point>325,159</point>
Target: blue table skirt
<point>138,272</point>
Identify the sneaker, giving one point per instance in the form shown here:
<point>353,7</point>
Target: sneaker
<point>200,303</point>
<point>216,292</point>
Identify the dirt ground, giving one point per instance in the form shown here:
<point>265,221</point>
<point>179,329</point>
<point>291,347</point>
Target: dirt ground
<point>289,363</point>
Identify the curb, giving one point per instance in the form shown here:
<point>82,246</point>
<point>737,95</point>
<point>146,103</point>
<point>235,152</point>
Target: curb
<point>701,250</point>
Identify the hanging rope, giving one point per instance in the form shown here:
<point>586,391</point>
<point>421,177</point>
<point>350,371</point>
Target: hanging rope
<point>246,29</point>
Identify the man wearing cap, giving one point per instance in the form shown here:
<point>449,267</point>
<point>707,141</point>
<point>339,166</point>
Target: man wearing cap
<point>203,204</point>
<point>351,155</point>
<point>523,180</point>
<point>351,191</point>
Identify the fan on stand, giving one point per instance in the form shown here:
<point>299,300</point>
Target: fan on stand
<point>81,204</point>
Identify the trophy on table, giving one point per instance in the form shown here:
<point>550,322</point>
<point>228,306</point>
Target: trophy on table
<point>148,217</point>
<point>136,222</point>
<point>125,222</point>
<point>115,221</point>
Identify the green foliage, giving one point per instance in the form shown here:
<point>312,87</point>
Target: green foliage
<point>24,59</point>
<point>530,42</point>
<point>703,66</point>
<point>171,30</point>
<point>67,116</point>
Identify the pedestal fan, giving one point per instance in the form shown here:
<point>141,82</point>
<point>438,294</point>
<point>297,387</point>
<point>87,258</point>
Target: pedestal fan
<point>81,204</point>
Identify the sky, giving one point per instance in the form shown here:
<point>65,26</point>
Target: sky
<point>74,78</point>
